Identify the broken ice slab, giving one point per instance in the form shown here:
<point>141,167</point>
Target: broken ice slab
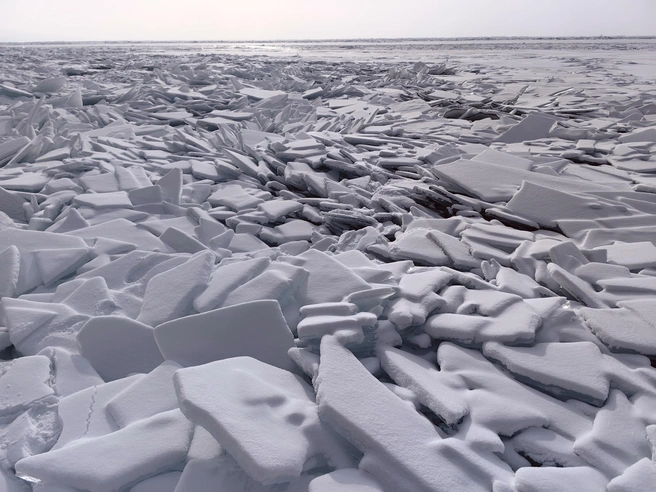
<point>566,370</point>
<point>9,148</point>
<point>172,116</point>
<point>313,93</point>
<point>232,115</point>
<point>547,205</point>
<point>490,319</point>
<point>29,243</point>
<point>116,460</point>
<point>272,437</point>
<point>259,94</point>
<point>533,127</point>
<point>390,455</point>
<point>328,281</point>
<point>10,91</point>
<point>634,256</point>
<point>25,383</point>
<point>570,479</point>
<point>150,395</point>
<point>117,346</point>
<point>50,85</point>
<point>229,332</point>
<point>170,294</point>
<point>226,279</point>
<point>645,135</point>
<point>628,329</point>
<point>495,183</point>
<point>122,230</point>
<point>504,159</point>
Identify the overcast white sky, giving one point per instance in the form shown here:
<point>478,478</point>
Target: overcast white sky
<point>91,20</point>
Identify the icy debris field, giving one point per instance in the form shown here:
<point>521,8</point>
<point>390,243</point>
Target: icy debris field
<point>327,272</point>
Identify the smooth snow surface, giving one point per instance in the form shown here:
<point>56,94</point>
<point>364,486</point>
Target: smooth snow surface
<point>328,268</point>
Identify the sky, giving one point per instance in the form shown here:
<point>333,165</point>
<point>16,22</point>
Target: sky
<point>178,20</point>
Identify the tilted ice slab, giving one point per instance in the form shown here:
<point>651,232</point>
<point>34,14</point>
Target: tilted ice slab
<point>238,398</point>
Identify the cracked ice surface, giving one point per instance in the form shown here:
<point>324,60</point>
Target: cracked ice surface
<point>286,268</point>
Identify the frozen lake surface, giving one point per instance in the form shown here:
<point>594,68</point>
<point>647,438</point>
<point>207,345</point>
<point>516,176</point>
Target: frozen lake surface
<point>381,265</point>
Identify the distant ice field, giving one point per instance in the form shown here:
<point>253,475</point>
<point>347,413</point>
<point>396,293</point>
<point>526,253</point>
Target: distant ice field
<point>339,266</point>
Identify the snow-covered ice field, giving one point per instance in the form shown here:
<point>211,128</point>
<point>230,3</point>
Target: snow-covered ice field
<point>422,266</point>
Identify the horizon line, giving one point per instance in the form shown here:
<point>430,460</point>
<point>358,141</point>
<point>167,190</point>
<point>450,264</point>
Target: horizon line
<point>327,40</point>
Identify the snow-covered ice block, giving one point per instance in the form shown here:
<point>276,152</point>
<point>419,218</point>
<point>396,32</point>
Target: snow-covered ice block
<point>259,94</point>
<point>9,270</point>
<point>117,346</point>
<point>115,461</point>
<point>638,477</point>
<point>226,279</point>
<point>209,475</point>
<point>275,209</point>
<point>315,327</point>
<point>402,449</point>
<point>328,281</point>
<point>495,183</point>
<point>203,445</point>
<point>275,284</point>
<point>548,479</point>
<point>430,388</point>
<point>460,367</point>
<point>122,230</point>
<point>418,246</point>
<point>28,182</point>
<point>235,197</point>
<point>205,475</point>
<point>101,201</point>
<point>646,135</point>
<point>546,447</point>
<point>143,196</point>
<point>100,183</point>
<point>150,395</point>
<point>625,329</point>
<point>170,294</point>
<point>10,147</point>
<point>504,159</point>
<point>533,127</point>
<point>134,270</point>
<point>513,282</point>
<point>84,414</point>
<point>181,241</point>
<point>70,372</point>
<point>481,316</point>
<point>417,298</point>
<point>32,432</point>
<point>12,205</point>
<point>566,370</point>
<point>50,85</point>
<point>25,382</point>
<point>55,264</point>
<point>265,417</point>
<point>256,329</point>
<point>546,206</point>
<point>617,439</point>
<point>634,256</point>
<point>28,243</point>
